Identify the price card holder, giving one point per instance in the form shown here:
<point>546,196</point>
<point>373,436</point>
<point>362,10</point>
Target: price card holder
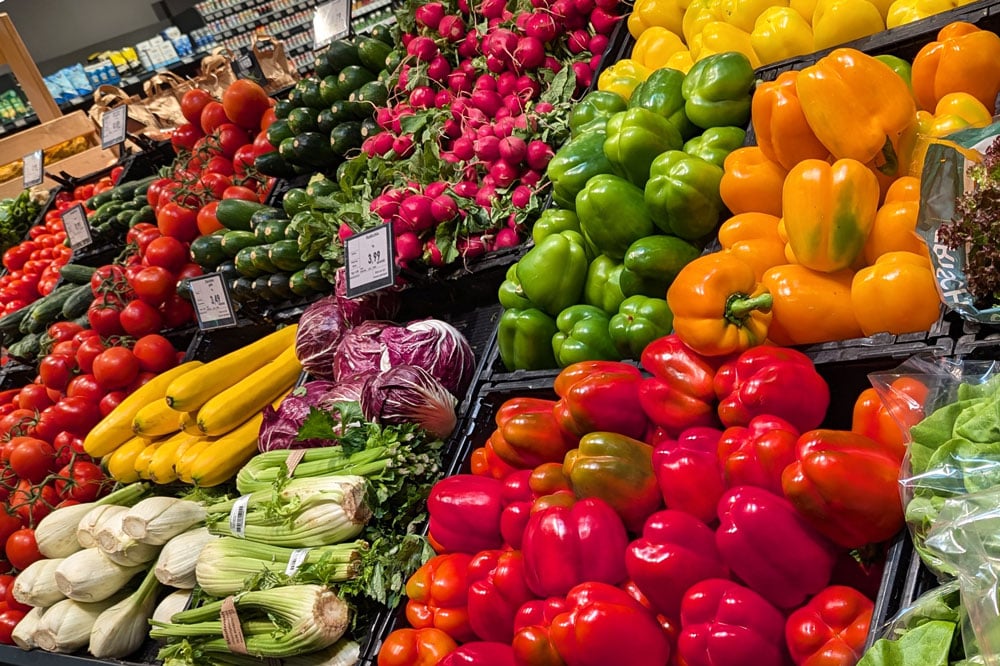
<point>245,66</point>
<point>371,260</point>
<point>332,21</point>
<point>114,125</point>
<point>77,227</point>
<point>212,305</point>
<point>34,172</point>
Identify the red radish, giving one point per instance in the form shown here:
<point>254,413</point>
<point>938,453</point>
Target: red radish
<point>492,8</point>
<point>495,64</point>
<point>506,83</point>
<point>608,5</point>
<point>464,148</point>
<point>486,195</point>
<point>378,144</point>
<point>487,148</point>
<point>452,28</point>
<point>506,237</point>
<point>403,146</point>
<point>385,206</point>
<point>475,117</point>
<point>406,38</point>
<point>432,253</point>
<point>471,246</point>
<point>408,246</point>
<point>578,42</point>
<point>598,44</point>
<point>468,66</point>
<point>529,53</point>
<point>487,101</point>
<point>486,130</point>
<point>541,26</point>
<point>504,126</point>
<point>415,213</point>
<point>383,116</point>
<point>402,110</point>
<point>439,69</point>
<point>514,104</point>
<point>451,129</point>
<point>561,9</point>
<point>459,107</point>
<point>543,4</point>
<point>576,21</point>
<point>501,43</point>
<point>459,82</point>
<point>504,173</point>
<point>531,178</point>
<point>513,149</point>
<point>521,196</point>
<point>470,48</point>
<point>584,74</point>
<point>423,49</point>
<point>502,112</point>
<point>485,82</point>
<point>538,154</point>
<point>444,208</point>
<point>603,21</point>
<point>583,6</point>
<point>435,189</point>
<point>429,15</point>
<point>551,63</point>
<point>595,61</point>
<point>422,97</point>
<point>442,100</point>
<point>527,86</point>
<point>344,231</point>
<point>463,6</point>
<point>543,107</point>
<point>466,188</point>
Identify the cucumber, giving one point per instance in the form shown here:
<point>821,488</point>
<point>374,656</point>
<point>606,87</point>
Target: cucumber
<point>9,323</point>
<point>78,303</point>
<point>262,216</point>
<point>330,90</point>
<point>242,289</point>
<point>372,92</point>
<point>273,164</point>
<point>261,290</point>
<point>280,130</point>
<point>77,274</point>
<point>297,283</point>
<point>303,120</point>
<point>244,263</point>
<point>105,213</point>
<point>353,77</point>
<point>282,108</point>
<point>296,201</point>
<point>310,93</point>
<point>341,54</point>
<point>271,231</point>
<point>369,127</point>
<point>235,214</point>
<point>313,276</point>
<point>235,241</point>
<point>144,214</point>
<point>284,254</point>
<point>382,33</point>
<point>51,307</point>
<point>325,121</point>
<point>228,270</point>
<point>321,186</point>
<point>322,67</point>
<point>260,259</point>
<point>346,137</point>
<point>310,149</point>
<point>373,52</point>
<point>207,252</point>
<point>27,348</point>
<point>341,111</point>
<point>278,283</point>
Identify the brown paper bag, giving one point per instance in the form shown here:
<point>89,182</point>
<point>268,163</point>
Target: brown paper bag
<point>163,98</point>
<point>140,120</point>
<point>270,54</point>
<point>216,72</point>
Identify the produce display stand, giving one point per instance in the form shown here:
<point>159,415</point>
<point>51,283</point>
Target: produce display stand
<point>14,53</point>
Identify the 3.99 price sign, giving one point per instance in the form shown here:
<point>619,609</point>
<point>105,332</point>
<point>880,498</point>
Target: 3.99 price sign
<point>370,261</point>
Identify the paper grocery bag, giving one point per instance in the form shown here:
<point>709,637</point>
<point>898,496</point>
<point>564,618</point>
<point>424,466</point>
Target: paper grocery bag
<point>270,54</point>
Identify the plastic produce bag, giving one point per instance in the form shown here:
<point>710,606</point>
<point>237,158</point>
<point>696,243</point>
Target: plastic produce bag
<point>953,445</point>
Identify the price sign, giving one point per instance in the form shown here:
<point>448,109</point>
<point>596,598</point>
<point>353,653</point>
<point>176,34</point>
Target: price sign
<point>77,227</point>
<point>370,261</point>
<point>113,126</point>
<point>332,21</point>
<point>212,305</point>
<point>34,173</point>
<point>245,66</point>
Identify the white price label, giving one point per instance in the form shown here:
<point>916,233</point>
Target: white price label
<point>113,126</point>
<point>238,516</point>
<point>370,260</point>
<point>34,173</point>
<point>77,227</point>
<point>332,21</point>
<point>295,560</point>
<point>212,305</point>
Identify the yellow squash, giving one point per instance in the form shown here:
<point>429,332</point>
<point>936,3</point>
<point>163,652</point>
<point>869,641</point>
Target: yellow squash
<point>189,422</point>
<point>121,463</point>
<point>220,461</point>
<point>161,465</point>
<point>156,420</point>
<point>145,457</point>
<point>186,460</point>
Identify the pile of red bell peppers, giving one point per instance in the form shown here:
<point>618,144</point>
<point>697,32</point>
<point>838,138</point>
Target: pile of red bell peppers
<point>693,514</point>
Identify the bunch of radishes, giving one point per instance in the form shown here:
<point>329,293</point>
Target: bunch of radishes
<point>483,86</point>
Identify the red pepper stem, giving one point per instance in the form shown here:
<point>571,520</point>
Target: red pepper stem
<point>739,306</point>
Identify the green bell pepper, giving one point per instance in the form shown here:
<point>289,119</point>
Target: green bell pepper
<point>639,321</point>
<point>603,289</point>
<point>634,139</point>
<point>652,263</point>
<point>900,66</point>
<point>717,91</point>
<point>511,294</point>
<point>582,336</point>
<point>682,194</point>
<point>552,221</point>
<point>525,339</point>
<point>715,144</point>
<point>661,94</point>
<point>553,272</point>
<point>574,164</point>
<point>595,107</point>
<point>613,214</point>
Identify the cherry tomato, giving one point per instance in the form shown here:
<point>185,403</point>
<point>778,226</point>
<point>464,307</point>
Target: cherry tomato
<point>154,284</point>
<point>155,353</point>
<point>110,401</point>
<point>21,547</point>
<point>56,370</point>
<point>178,221</point>
<point>31,458</point>
<point>115,368</point>
<point>245,103</point>
<point>139,318</point>
<point>213,114</point>
<point>104,317</point>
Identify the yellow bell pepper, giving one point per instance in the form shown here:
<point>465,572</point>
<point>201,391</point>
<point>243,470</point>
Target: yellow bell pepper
<point>781,33</point>
<point>902,12</point>
<point>646,14</point>
<point>898,294</point>
<point>753,238</point>
<point>744,13</point>
<point>906,188</point>
<point>655,46</point>
<point>964,106</point>
<point>954,112</point>
<point>838,21</point>
<point>681,61</point>
<point>622,77</point>
<point>698,14</point>
<point>718,37</point>
<point>895,231</point>
<point>809,306</point>
<point>805,8</point>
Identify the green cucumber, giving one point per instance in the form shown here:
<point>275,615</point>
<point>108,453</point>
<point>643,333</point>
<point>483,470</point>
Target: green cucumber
<point>78,303</point>
<point>259,257</point>
<point>353,77</point>
<point>273,164</point>
<point>234,241</point>
<point>76,274</point>
<point>346,137</point>
<point>341,54</point>
<point>284,254</point>
<point>235,214</point>
<point>373,52</point>
<point>303,120</point>
<point>207,252</point>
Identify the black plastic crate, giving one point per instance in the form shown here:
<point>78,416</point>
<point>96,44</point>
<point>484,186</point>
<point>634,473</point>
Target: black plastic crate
<point>209,345</point>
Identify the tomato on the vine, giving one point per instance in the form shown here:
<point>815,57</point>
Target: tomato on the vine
<point>212,116</point>
<point>56,370</point>
<point>231,138</point>
<point>31,458</point>
<point>115,368</point>
<point>9,523</point>
<point>67,347</point>
<point>139,318</point>
<point>185,137</point>
<point>267,119</point>
<point>77,414</point>
<point>214,183</point>
<point>108,279</point>
<point>21,547</point>
<point>243,161</point>
<point>81,481</point>
<point>154,284</point>
<point>104,317</point>
<point>178,221</point>
<point>155,353</point>
<point>145,238</point>
<point>140,380</point>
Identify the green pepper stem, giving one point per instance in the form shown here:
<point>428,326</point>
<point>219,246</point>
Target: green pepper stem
<point>740,306</point>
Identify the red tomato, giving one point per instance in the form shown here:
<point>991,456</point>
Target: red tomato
<point>33,397</point>
<point>207,220</point>
<point>145,238</point>
<point>88,351</point>
<point>86,387</point>
<point>77,414</point>
<point>154,284</point>
<point>178,221</point>
<point>261,146</point>
<point>193,102</point>
<point>116,175</point>
<point>9,523</point>
<point>18,422</point>
<point>245,103</point>
<point>269,117</point>
<point>83,192</point>
<point>56,370</point>
<point>212,115</point>
<point>81,481</point>
<point>110,401</point>
<point>115,368</point>
<point>9,619</point>
<point>67,347</point>
<point>205,148</point>
<point>31,458</point>
<point>155,189</point>
<point>22,549</point>
<point>133,234</point>
<point>104,318</point>
<point>167,252</point>
<point>239,192</point>
<point>63,330</point>
<point>244,159</point>
<point>139,318</point>
<point>232,138</point>
<point>7,587</point>
<point>189,271</point>
<point>15,257</point>
<point>103,185</point>
<point>214,183</point>
<point>176,311</point>
<point>108,279</point>
<point>185,137</point>
<point>155,353</point>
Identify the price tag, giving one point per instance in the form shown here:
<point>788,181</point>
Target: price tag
<point>238,516</point>
<point>332,21</point>
<point>212,305</point>
<point>113,126</point>
<point>370,261</point>
<point>295,560</point>
<point>77,227</point>
<point>34,173</point>
<point>245,66</point>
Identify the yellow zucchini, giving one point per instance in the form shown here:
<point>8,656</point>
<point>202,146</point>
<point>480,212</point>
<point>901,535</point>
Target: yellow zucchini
<point>145,457</point>
<point>156,420</point>
<point>183,465</point>
<point>231,407</point>
<point>189,422</point>
<point>220,461</point>
<point>161,465</point>
<point>121,463</point>
<point>192,391</point>
<point>116,428</point>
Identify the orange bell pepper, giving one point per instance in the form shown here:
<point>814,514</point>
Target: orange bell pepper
<point>898,294</point>
<point>906,188</point>
<point>751,183</point>
<point>895,231</point>
<point>415,647</point>
<point>874,419</point>
<point>753,237</point>
<point>437,594</point>
<point>718,305</point>
<point>829,211</point>
<point>782,131</point>
<point>860,109</point>
<point>963,59</point>
<point>810,306</point>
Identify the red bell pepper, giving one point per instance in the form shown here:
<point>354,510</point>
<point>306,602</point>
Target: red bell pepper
<point>618,470</point>
<point>846,487</point>
<point>670,626</point>
<point>566,546</point>
<point>465,513</point>
<point>528,435</point>
<point>680,393</point>
<point>528,491</point>
<point>517,487</point>
<point>485,462</point>
<point>873,418</point>
<point>606,626</point>
<point>726,624</point>
<point>548,478</point>
<point>688,473</point>
<point>676,551</point>
<point>532,643</point>
<point>830,630</point>
<point>776,381</point>
<point>571,374</point>
<point>757,454</point>
<point>480,654</point>
<point>495,598</point>
<point>605,400</point>
<point>539,612</point>
<point>415,647</point>
<point>438,596</point>
<point>771,548</point>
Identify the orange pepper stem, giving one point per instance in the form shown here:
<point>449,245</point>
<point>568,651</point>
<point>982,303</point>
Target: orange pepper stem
<point>739,306</point>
